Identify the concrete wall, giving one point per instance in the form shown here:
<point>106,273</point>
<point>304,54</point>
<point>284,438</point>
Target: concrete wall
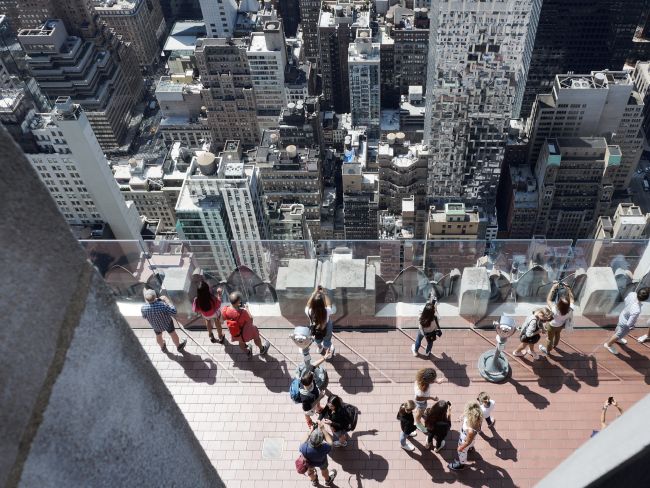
<point>80,403</point>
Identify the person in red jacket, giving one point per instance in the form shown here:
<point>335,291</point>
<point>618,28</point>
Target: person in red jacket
<point>240,324</point>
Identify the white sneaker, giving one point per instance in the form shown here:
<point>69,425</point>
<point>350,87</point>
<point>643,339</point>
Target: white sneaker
<point>643,338</point>
<point>622,341</point>
<point>413,434</point>
<point>543,350</point>
<point>611,349</point>
<point>518,354</point>
<point>415,354</point>
<point>438,449</point>
<point>408,446</point>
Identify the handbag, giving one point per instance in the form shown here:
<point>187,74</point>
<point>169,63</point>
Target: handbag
<point>301,464</point>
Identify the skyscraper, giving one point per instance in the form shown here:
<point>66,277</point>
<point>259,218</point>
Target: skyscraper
<point>365,88</point>
<point>309,14</point>
<point>219,17</point>
<point>476,68</point>
<point>228,90</point>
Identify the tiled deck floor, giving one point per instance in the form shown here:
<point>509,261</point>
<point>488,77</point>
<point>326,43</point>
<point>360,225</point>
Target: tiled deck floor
<point>543,413</point>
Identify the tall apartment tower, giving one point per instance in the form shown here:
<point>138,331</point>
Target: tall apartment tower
<point>74,169</point>
<point>309,15</point>
<point>139,22</point>
<point>219,17</point>
<point>221,199</point>
<point>228,90</point>
<point>580,36</point>
<point>290,13</point>
<point>267,59</point>
<point>337,28</point>
<point>89,74</point>
<point>360,191</point>
<point>364,80</point>
<point>475,74</point>
<point>410,33</point>
<point>600,104</point>
<point>575,185</point>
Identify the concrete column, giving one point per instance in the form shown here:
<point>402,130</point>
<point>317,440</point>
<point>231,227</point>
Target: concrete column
<point>474,292</point>
<point>600,292</point>
<point>80,403</point>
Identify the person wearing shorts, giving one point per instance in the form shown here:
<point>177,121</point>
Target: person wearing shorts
<point>159,312</point>
<point>627,319</point>
<point>315,450</point>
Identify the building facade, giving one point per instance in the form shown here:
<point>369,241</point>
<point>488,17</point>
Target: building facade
<point>219,17</point>
<point>364,81</point>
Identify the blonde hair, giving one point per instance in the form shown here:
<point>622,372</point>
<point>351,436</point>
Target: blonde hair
<point>425,377</point>
<point>473,414</point>
<point>483,396</point>
<point>545,311</point>
<point>407,406</point>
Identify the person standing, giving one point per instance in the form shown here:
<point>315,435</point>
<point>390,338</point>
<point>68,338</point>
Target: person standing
<point>603,414</point>
<point>531,331</point>
<point>472,420</point>
<point>319,311</point>
<point>561,314</point>
<point>437,420</point>
<point>315,449</point>
<point>208,305</point>
<point>423,381</point>
<point>407,424</point>
<point>487,406</point>
<point>159,312</point>
<point>627,319</point>
<point>240,324</point>
<point>429,328</point>
<point>335,416</point>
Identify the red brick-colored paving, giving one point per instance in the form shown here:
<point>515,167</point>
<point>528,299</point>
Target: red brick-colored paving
<point>544,412</point>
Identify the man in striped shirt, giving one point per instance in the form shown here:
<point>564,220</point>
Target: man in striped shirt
<point>159,311</point>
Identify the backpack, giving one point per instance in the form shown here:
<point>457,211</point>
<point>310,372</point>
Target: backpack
<point>302,465</point>
<point>522,329</point>
<point>352,413</point>
<point>234,322</point>
<point>294,390</point>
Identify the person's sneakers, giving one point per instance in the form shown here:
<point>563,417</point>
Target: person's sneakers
<point>407,446</point>
<point>314,482</point>
<point>438,449</point>
<point>518,354</point>
<point>428,354</point>
<point>415,353</point>
<point>332,350</point>
<point>456,465</point>
<point>265,348</point>
<point>543,350</point>
<point>622,340</point>
<point>221,339</point>
<point>213,339</point>
<point>421,428</point>
<point>164,347</point>
<point>330,480</point>
<point>413,434</point>
<point>249,351</point>
<point>611,349</point>
<point>643,338</point>
<point>182,345</point>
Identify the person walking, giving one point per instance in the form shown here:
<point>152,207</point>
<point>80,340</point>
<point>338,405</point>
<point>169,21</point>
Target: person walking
<point>531,331</point>
<point>487,407</point>
<point>208,305</point>
<point>627,318</point>
<point>315,449</point>
<point>437,420</point>
<point>240,324</point>
<point>319,311</point>
<point>423,381</point>
<point>407,425</point>
<point>561,314</point>
<point>472,420</point>
<point>159,312</point>
<point>428,327</point>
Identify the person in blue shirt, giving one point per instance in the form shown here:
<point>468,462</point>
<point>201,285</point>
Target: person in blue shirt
<point>315,449</point>
<point>159,312</point>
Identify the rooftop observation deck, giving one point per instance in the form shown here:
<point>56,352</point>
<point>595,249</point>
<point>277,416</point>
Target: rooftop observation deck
<point>239,408</point>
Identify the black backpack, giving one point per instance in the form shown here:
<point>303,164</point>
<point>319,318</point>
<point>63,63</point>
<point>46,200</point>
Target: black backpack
<point>522,333</point>
<point>352,413</point>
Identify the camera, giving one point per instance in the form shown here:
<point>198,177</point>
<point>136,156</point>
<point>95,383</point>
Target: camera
<point>610,400</point>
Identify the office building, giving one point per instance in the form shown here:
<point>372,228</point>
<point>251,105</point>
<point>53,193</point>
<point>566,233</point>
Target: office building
<point>628,222</point>
<point>221,200</point>
<point>74,169</point>
<point>365,92</point>
<point>337,28</point>
<point>360,190</point>
<point>641,77</point>
<point>175,10</point>
<point>309,15</point>
<point>90,75</point>
<point>580,36</point>
<point>300,124</point>
<point>139,22</point>
<point>453,221</point>
<point>575,185</point>
<point>228,91</point>
<point>267,60</point>
<point>289,11</point>
<point>287,222</point>
<point>519,198</point>
<point>219,17</point>
<point>600,104</point>
<point>476,68</point>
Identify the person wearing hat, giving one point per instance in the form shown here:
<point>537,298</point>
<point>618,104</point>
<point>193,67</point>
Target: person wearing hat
<point>315,449</point>
<point>159,312</point>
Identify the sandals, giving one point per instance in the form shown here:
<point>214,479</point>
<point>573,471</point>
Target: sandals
<point>214,340</point>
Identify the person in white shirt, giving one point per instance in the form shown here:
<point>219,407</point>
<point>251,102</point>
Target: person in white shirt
<point>319,311</point>
<point>561,314</point>
<point>627,319</point>
<point>487,406</point>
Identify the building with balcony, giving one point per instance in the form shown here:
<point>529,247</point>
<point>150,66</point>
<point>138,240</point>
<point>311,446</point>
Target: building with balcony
<point>139,22</point>
<point>603,103</point>
<point>364,79</point>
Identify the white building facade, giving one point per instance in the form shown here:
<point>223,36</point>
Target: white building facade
<point>219,17</point>
<point>364,80</point>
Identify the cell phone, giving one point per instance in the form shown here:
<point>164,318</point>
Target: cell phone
<point>610,400</point>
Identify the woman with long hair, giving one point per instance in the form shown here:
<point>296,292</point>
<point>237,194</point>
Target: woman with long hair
<point>429,328</point>
<point>319,311</point>
<point>423,380</point>
<point>561,314</point>
<point>531,331</point>
<point>407,424</point>
<point>472,420</point>
<point>208,305</point>
<point>437,420</point>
